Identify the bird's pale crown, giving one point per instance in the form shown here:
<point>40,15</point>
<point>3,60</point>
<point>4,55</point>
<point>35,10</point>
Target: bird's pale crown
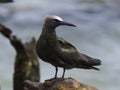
<point>54,17</point>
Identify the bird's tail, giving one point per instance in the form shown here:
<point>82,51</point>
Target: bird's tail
<point>90,62</point>
<point>95,68</point>
<point>93,62</point>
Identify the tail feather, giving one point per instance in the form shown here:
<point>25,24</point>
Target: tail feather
<point>95,68</point>
<point>88,67</point>
<point>93,62</point>
<point>88,62</point>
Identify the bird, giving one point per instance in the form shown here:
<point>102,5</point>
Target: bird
<point>59,52</point>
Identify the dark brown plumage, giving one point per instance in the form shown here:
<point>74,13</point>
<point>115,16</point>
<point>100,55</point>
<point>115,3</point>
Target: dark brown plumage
<point>58,51</point>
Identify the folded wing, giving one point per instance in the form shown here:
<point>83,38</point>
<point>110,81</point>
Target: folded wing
<point>69,54</point>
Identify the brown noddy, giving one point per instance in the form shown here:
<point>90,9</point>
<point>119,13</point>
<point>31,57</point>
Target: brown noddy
<point>59,52</point>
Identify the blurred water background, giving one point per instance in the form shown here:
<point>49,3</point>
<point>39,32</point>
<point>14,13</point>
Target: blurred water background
<point>97,34</point>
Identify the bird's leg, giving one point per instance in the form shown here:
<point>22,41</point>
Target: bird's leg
<point>63,72</point>
<point>56,69</point>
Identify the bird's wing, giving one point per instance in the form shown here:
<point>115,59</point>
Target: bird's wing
<point>66,51</point>
<point>69,54</point>
<point>66,46</point>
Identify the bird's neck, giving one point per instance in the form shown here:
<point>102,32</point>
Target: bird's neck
<point>48,37</point>
<point>49,32</point>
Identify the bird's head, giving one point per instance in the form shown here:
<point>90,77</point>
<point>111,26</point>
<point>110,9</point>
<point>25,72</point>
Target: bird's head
<point>54,21</point>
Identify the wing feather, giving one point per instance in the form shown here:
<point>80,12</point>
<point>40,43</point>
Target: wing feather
<point>69,54</point>
<point>66,51</point>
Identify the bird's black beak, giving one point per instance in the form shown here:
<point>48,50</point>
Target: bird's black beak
<point>66,23</point>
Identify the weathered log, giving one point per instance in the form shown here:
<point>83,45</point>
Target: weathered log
<point>5,31</point>
<point>26,61</point>
<point>58,84</point>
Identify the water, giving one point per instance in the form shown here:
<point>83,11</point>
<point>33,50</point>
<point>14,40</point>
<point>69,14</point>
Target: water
<point>97,34</point>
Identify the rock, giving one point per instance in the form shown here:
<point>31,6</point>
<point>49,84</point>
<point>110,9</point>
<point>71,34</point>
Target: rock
<point>58,84</point>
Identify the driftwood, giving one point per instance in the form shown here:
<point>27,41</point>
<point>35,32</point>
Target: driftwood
<point>26,62</point>
<point>5,1</point>
<point>5,31</point>
<point>58,84</point>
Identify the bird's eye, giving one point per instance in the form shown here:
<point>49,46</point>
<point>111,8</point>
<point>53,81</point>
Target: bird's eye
<point>56,20</point>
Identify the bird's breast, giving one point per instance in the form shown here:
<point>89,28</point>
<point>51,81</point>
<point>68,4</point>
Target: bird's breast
<point>45,48</point>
